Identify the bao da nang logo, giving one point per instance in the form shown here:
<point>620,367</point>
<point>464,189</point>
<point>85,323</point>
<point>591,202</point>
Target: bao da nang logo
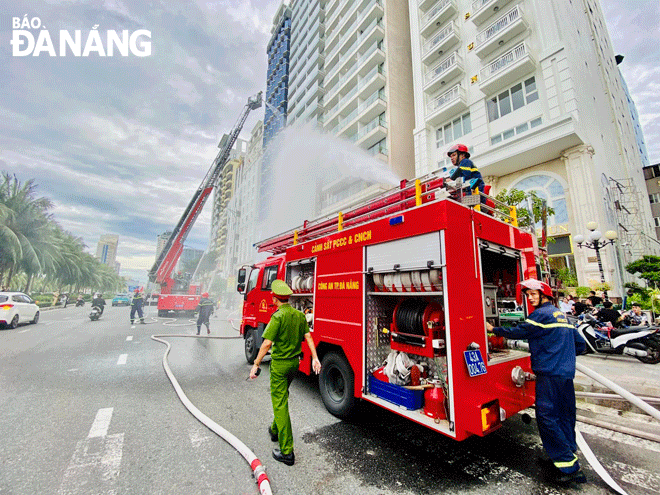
<point>25,42</point>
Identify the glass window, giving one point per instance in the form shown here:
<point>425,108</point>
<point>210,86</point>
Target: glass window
<point>657,221</point>
<point>458,128</point>
<point>467,124</point>
<point>509,133</point>
<point>270,274</point>
<point>517,99</point>
<point>505,103</point>
<point>496,139</point>
<point>536,122</point>
<point>530,90</point>
<point>492,110</point>
<point>252,283</point>
<point>3,299</point>
<point>522,128</point>
<point>448,133</point>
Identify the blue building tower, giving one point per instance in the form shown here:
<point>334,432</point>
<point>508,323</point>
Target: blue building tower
<point>277,90</point>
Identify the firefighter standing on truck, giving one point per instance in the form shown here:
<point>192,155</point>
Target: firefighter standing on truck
<point>285,332</point>
<point>553,344</point>
<point>205,310</point>
<point>136,305</point>
<point>460,158</point>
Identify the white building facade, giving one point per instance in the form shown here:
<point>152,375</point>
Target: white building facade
<point>532,88</point>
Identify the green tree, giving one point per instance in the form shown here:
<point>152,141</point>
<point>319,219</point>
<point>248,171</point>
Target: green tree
<point>647,267</point>
<point>521,200</point>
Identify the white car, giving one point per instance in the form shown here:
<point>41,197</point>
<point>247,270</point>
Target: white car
<point>15,308</point>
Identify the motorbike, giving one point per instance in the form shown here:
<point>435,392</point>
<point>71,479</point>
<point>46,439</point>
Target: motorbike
<point>642,342</point>
<point>96,313</point>
<point>80,302</point>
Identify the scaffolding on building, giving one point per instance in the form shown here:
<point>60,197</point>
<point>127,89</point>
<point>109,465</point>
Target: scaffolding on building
<point>633,242</point>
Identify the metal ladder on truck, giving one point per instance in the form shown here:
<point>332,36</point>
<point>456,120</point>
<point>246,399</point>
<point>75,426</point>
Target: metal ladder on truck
<point>410,194</point>
<point>162,269</point>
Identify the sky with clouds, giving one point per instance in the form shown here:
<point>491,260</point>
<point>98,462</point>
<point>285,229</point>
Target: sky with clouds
<point>121,143</point>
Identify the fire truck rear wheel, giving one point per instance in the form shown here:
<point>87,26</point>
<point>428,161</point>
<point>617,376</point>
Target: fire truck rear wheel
<point>336,383</point>
<point>251,350</point>
<point>162,313</point>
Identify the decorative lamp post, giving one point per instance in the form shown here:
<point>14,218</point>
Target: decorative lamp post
<point>594,242</point>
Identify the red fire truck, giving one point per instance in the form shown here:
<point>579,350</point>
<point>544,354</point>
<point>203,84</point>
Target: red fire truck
<point>418,271</point>
<point>178,294</point>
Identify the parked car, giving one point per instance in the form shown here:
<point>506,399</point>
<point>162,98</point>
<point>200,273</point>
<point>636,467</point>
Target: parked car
<point>15,308</point>
<point>153,300</point>
<point>121,300</point>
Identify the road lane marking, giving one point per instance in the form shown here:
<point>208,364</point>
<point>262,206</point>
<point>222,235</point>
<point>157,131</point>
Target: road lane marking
<point>73,369</point>
<point>101,423</point>
<point>23,331</point>
<point>129,338</point>
<point>197,437</point>
<point>122,359</point>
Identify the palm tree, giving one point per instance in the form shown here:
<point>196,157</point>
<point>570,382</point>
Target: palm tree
<point>24,228</point>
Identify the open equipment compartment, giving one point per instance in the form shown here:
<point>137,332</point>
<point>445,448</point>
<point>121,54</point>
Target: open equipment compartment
<point>404,299</point>
<point>301,277</point>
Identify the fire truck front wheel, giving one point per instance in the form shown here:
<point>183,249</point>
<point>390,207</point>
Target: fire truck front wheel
<point>336,383</point>
<point>251,349</point>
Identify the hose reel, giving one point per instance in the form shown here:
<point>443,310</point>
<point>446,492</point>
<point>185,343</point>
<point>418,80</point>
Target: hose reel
<point>416,324</point>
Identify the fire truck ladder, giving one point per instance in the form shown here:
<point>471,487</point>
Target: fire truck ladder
<point>410,194</point>
<point>162,269</point>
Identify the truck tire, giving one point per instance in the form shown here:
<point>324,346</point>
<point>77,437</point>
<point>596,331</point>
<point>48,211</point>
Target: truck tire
<point>251,350</point>
<point>162,313</point>
<point>336,383</point>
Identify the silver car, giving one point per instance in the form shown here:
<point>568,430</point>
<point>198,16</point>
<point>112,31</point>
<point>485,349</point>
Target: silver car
<point>15,308</point>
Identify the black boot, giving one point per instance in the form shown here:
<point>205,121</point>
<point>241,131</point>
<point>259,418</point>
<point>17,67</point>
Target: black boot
<point>273,435</point>
<point>288,459</point>
<point>568,478</point>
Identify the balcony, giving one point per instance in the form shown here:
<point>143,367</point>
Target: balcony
<point>442,73</point>
<point>372,133</point>
<point>446,105</point>
<point>482,10</point>
<point>507,69</point>
<point>439,43</point>
<point>424,4</point>
<point>502,30</point>
<point>437,16</point>
<point>368,110</point>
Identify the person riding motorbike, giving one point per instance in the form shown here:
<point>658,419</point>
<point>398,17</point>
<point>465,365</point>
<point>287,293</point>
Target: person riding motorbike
<point>80,301</point>
<point>98,301</point>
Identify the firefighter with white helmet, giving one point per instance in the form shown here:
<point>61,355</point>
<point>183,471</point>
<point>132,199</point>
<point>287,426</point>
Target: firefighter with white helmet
<point>465,168</point>
<point>285,332</point>
<point>553,344</point>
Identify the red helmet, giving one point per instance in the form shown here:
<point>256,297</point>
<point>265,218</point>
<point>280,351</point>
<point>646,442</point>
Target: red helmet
<point>534,284</point>
<point>458,147</point>
<point>205,294</point>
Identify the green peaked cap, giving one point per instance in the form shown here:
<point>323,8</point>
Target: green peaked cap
<point>280,288</point>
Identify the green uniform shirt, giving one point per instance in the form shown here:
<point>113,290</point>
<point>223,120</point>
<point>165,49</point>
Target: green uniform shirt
<point>286,329</point>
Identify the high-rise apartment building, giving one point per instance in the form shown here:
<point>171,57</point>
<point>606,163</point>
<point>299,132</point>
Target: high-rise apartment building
<point>350,72</point>
<point>162,241</point>
<point>106,250</point>
<point>242,207</point>
<point>532,88</point>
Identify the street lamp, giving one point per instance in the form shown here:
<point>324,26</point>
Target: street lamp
<point>596,244</point>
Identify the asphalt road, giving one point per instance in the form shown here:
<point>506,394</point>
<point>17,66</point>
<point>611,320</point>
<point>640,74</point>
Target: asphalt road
<point>86,408</point>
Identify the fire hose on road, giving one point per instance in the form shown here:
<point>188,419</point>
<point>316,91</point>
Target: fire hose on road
<point>255,464</point>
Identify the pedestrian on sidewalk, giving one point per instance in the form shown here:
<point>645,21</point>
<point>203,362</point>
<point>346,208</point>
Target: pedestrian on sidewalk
<point>553,344</point>
<point>285,332</point>
<point>205,310</point>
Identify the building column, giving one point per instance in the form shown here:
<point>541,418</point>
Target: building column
<point>582,189</point>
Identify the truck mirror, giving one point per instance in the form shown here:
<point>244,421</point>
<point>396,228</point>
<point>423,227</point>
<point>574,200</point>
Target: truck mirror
<point>240,288</point>
<point>241,276</point>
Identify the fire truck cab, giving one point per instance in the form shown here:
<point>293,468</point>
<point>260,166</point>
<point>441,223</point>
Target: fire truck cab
<point>408,278</point>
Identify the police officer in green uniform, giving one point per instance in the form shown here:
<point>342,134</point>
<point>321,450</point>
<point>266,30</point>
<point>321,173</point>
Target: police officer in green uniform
<point>285,332</point>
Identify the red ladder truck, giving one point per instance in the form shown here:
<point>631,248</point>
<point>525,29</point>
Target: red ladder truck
<point>418,271</point>
<point>178,294</point>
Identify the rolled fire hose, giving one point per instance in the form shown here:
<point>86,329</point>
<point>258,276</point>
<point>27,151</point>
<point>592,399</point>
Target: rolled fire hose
<point>588,454</point>
<point>255,464</point>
